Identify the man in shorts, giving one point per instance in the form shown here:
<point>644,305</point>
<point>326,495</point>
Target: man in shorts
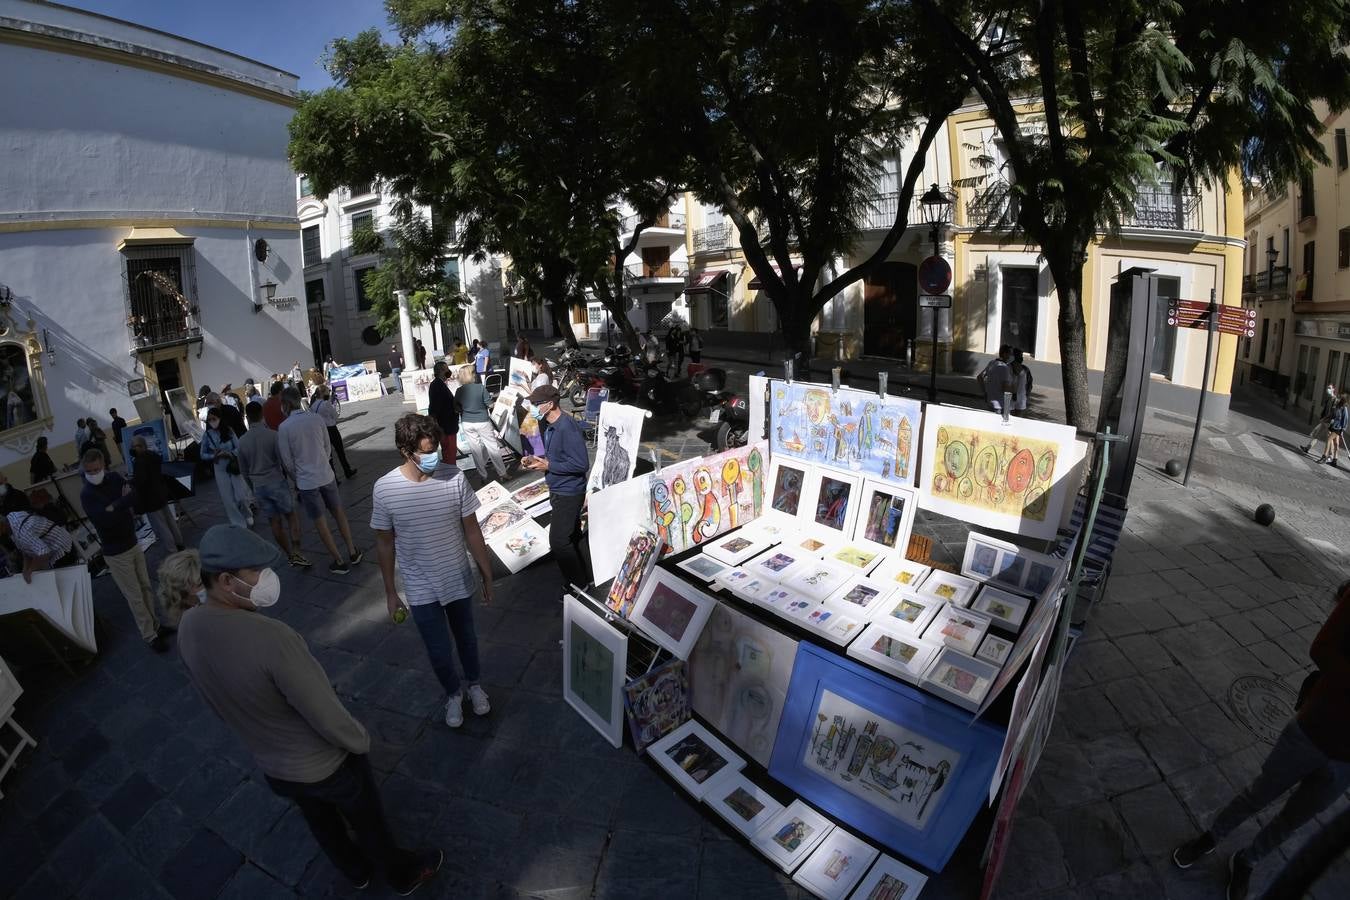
<point>302,444</point>
<point>260,464</point>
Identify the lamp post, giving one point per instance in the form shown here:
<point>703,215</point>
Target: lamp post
<point>1271,255</point>
<point>935,205</point>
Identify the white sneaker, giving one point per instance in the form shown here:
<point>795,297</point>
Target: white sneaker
<point>478,697</point>
<point>454,711</point>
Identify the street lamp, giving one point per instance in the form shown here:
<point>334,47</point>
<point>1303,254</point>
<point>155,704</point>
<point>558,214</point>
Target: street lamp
<point>1271,255</point>
<point>936,207</point>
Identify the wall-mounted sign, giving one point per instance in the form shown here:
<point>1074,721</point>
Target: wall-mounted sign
<point>283,302</point>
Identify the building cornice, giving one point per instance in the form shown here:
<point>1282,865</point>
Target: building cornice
<point>15,222</point>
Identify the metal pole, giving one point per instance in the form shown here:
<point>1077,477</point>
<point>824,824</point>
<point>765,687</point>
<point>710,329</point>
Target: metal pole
<point>932,370</point>
<point>1213,313</point>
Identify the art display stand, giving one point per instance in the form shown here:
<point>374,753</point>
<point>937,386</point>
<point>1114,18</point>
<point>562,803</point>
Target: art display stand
<point>10,690</point>
<point>888,682</point>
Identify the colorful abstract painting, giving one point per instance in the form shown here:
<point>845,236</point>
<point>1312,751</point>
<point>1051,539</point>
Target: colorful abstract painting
<point>697,500</point>
<point>637,562</point>
<point>1013,477</point>
<point>847,429</point>
<point>657,703</point>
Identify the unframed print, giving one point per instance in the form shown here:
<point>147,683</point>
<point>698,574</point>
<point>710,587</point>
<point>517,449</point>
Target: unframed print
<point>657,703</point>
<point>594,659</point>
<point>617,442</point>
<point>738,675</point>
<point>838,864</point>
<point>643,550</point>
<point>520,545</point>
<point>496,519</point>
<point>693,502</point>
<point>615,513</point>
<point>848,429</point>
<point>490,494</point>
<point>533,493</point>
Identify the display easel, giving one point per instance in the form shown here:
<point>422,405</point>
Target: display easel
<point>644,654</point>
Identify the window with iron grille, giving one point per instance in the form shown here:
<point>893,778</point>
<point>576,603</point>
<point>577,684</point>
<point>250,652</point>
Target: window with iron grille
<point>1306,207</point>
<point>360,190</point>
<point>161,295</point>
<point>314,292</point>
<point>306,187</point>
<point>1342,153</point>
<point>363,220</point>
<point>310,245</point>
<point>1343,249</point>
<point>363,300</point>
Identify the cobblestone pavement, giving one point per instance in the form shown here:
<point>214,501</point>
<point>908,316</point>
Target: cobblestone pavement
<point>136,790</point>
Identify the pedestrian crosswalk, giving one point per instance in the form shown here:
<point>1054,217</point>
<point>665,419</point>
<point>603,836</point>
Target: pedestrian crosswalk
<point>1267,451</point>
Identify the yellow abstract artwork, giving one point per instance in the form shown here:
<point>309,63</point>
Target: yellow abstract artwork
<point>1000,473</point>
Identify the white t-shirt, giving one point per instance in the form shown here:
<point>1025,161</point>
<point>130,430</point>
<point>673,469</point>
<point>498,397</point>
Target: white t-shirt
<point>1020,390</point>
<point>427,520</point>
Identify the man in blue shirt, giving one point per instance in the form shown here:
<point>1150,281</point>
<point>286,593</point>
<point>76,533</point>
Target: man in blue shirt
<point>108,500</point>
<point>564,466</point>
<point>480,360</point>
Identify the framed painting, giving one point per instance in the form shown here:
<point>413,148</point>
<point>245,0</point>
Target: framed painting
<point>905,769</point>
<point>960,678</point>
<point>638,561</point>
<point>672,612</point>
<point>777,564</point>
<point>886,516</point>
<point>957,590</point>
<point>862,595</point>
<point>890,879</point>
<point>894,651</point>
<point>735,549</point>
<point>848,429</point>
<point>836,866</point>
<point>657,703</point>
<point>957,627</point>
<point>788,837</point>
<point>857,555</point>
<point>694,502</point>
<point>703,567</point>
<point>838,626</point>
<point>520,545</point>
<point>1008,565</point>
<point>745,805</point>
<point>831,503</point>
<point>1008,610</point>
<point>818,579</point>
<point>692,756</point>
<point>595,657</point>
<point>787,481</point>
<point>738,678</point>
<point>904,572</point>
<point>1012,477</point>
<point>994,649</point>
<point>907,612</point>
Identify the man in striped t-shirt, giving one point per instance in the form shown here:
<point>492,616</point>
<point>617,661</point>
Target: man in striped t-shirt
<point>423,516</point>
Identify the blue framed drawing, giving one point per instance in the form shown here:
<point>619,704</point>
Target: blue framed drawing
<point>846,429</point>
<point>907,769</point>
<point>156,440</point>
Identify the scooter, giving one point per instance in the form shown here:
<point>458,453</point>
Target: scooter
<point>732,417</point>
<point>658,392</point>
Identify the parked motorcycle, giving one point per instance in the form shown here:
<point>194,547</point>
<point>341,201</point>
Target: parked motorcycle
<point>665,394</point>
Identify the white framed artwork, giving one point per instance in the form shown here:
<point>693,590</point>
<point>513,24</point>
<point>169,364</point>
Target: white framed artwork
<point>886,515</point>
<point>812,544</point>
<point>788,837</point>
<point>693,757</point>
<point>731,578</point>
<point>520,545</point>
<point>903,572</point>
<point>994,649</point>
<point>672,612</point>
<point>743,804</point>
<point>734,549</point>
<point>894,651</point>
<point>788,479</point>
<point>777,564</point>
<point>830,503</point>
<point>857,555</point>
<point>703,567</point>
<point>957,627</point>
<point>836,866</point>
<point>862,595</point>
<point>1008,610</point>
<point>1008,565</point>
<point>907,612</point>
<point>957,590</point>
<point>960,678</point>
<point>595,659</point>
<point>779,599</point>
<point>834,624</point>
<point>890,879</point>
<point>754,588</point>
<point>818,579</point>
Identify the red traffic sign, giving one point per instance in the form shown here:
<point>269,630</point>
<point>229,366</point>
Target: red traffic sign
<point>935,275</point>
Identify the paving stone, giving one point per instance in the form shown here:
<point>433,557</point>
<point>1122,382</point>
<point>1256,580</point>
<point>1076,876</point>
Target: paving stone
<point>1177,689</point>
<point>1296,645</point>
<point>42,885</point>
<point>1121,764</point>
<point>251,883</point>
<point>1274,659</point>
<point>1242,628</point>
<point>201,867</point>
<point>125,806</point>
<point>21,857</point>
<point>31,788</point>
<point>61,817</point>
<point>209,783</point>
<point>1156,818</point>
<point>101,779</point>
<point>654,804</point>
<point>120,877</point>
<point>1153,615</point>
<point>158,834</point>
<point>566,855</point>
<point>1103,661</point>
<point>246,815</point>
<point>1117,620</point>
<point>585,787</point>
<point>85,752</point>
<point>1036,862</point>
<point>1065,777</point>
<point>1203,790</point>
<point>286,851</point>
<point>88,844</point>
<point>1089,714</point>
<point>731,868</point>
<point>1144,652</point>
<point>1170,745</point>
<point>1145,586</point>
<point>1136,702</point>
<point>640,864</point>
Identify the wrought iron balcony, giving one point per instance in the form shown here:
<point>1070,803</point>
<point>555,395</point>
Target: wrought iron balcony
<point>712,238</point>
<point>880,215</point>
<point>161,315</point>
<point>667,220</point>
<point>1270,281</point>
<point>1154,209</point>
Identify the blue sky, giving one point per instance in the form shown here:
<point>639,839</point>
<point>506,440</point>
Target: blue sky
<point>288,34</point>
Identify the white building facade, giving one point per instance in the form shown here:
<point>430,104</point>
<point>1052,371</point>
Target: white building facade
<point>148,237</point>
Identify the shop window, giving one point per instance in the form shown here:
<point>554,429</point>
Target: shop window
<point>314,292</point>
<point>26,415</point>
<point>1343,249</point>
<point>718,311</point>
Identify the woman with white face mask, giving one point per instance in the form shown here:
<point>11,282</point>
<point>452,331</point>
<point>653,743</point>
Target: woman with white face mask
<point>258,675</point>
<point>220,445</point>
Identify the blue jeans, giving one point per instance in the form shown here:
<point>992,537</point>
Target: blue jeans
<point>432,619</point>
<point>396,373</point>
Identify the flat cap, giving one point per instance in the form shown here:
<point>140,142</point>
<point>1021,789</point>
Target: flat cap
<point>545,393</point>
<point>228,548</point>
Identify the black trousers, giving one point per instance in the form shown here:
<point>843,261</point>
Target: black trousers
<point>335,438</point>
<point>565,539</point>
<point>346,798</point>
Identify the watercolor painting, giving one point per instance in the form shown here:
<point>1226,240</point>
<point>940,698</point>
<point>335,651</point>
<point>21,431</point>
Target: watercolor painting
<point>637,563</point>
<point>657,703</point>
<point>500,518</point>
<point>846,428</point>
<point>695,501</point>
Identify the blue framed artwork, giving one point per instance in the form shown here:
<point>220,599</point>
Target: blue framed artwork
<point>846,429</point>
<point>907,769</point>
<point>156,440</point>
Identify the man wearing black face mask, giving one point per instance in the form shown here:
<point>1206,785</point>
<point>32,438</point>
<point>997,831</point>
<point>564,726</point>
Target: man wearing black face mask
<point>258,675</point>
<point>108,500</point>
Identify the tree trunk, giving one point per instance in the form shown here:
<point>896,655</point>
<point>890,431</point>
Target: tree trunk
<point>796,329</point>
<point>1066,267</point>
<point>562,320</point>
<point>614,305</point>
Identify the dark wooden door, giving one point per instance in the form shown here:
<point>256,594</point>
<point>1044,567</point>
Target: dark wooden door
<point>890,300</point>
<point>1021,309</point>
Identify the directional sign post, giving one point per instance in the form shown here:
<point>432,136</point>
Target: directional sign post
<point>935,276</point>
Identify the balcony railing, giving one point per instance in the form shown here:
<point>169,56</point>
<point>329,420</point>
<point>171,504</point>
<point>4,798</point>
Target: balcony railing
<point>712,238</point>
<point>667,220</point>
<point>1266,282</point>
<point>882,208</point>
<point>160,312</point>
<point>1163,210</point>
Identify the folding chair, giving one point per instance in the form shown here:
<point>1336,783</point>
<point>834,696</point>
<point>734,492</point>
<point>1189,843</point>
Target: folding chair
<point>590,416</point>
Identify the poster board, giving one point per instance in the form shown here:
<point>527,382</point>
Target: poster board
<point>616,444</point>
<point>156,441</point>
<point>420,395</point>
<point>363,387</point>
<point>184,413</point>
<point>846,429</point>
<point>520,374</point>
<point>616,513</point>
